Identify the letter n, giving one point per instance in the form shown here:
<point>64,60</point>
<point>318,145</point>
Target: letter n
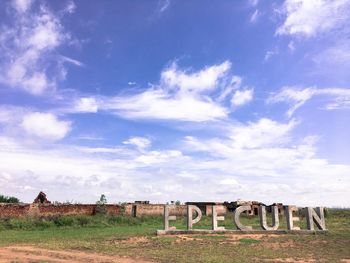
<point>316,217</point>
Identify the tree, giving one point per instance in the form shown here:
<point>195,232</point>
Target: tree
<point>101,205</point>
<point>102,201</point>
<point>9,199</point>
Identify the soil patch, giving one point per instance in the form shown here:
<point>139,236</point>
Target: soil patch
<point>35,254</point>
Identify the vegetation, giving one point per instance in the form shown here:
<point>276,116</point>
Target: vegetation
<point>8,199</point>
<point>129,236</point>
<point>101,205</point>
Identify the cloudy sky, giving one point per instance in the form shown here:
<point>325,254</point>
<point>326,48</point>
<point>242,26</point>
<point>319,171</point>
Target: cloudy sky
<point>176,100</point>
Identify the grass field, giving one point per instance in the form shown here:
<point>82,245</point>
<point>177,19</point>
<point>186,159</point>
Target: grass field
<point>135,237</point>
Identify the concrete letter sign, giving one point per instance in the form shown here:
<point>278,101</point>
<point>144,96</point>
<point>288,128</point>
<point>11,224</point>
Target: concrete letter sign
<point>216,218</point>
<point>290,219</point>
<point>313,216</point>
<point>190,220</point>
<point>238,212</point>
<point>275,220</point>
<point>167,217</point>
<point>318,218</point>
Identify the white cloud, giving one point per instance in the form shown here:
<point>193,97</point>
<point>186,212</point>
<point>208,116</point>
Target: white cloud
<point>21,6</point>
<point>261,161</point>
<point>311,17</point>
<point>269,54</point>
<point>242,97</point>
<point>163,5</point>
<point>258,160</point>
<point>45,126</point>
<point>25,124</point>
<point>254,16</point>
<point>181,95</point>
<point>234,84</point>
<point>263,133</point>
<point>28,49</point>
<point>253,2</point>
<point>156,157</point>
<point>8,113</point>
<point>339,104</point>
<point>46,34</point>
<point>72,61</point>
<point>197,82</point>
<point>158,104</point>
<point>94,168</point>
<point>291,46</point>
<point>260,134</point>
<point>141,143</point>
<point>334,58</point>
<point>70,7</point>
<point>36,83</point>
<point>86,105</point>
<point>297,96</point>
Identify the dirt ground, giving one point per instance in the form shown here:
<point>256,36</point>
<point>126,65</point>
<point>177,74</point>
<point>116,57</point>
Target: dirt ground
<point>35,254</point>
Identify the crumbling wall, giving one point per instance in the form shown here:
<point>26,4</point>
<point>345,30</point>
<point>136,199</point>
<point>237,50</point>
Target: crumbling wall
<point>41,199</point>
<point>139,210</point>
<point>13,210</point>
<point>46,210</point>
<point>149,210</point>
<point>77,209</point>
<point>221,210</point>
<point>178,210</point>
<point>135,210</point>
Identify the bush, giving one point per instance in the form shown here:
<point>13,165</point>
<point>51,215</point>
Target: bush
<point>43,223</point>
<point>83,220</point>
<point>9,199</point>
<point>26,223</point>
<point>63,221</point>
<point>19,224</point>
<point>30,223</point>
<point>101,206</point>
<point>100,210</point>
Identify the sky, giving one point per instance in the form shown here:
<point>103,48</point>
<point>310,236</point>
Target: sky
<point>167,100</point>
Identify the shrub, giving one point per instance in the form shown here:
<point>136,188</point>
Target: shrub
<point>42,223</point>
<point>9,199</point>
<point>101,205</point>
<point>63,221</point>
<point>122,208</point>
<point>83,220</point>
<point>27,223</point>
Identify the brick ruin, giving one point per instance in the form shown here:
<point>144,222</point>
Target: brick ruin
<point>49,210</point>
<point>41,199</point>
<point>42,207</point>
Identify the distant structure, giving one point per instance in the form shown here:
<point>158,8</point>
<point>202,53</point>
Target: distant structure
<point>41,199</point>
<point>280,207</point>
<point>254,210</point>
<point>204,206</point>
<point>142,202</point>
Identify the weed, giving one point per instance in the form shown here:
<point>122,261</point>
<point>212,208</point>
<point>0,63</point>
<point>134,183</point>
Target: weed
<point>248,240</point>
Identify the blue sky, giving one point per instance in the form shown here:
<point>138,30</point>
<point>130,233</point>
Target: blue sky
<point>176,100</point>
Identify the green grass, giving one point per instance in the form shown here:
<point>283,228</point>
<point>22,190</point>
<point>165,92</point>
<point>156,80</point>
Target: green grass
<point>248,240</point>
<point>136,236</point>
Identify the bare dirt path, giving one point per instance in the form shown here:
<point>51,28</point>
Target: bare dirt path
<point>35,254</point>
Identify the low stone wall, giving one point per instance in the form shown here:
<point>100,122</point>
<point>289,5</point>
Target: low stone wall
<point>46,210</point>
<point>139,210</point>
<point>220,209</point>
<point>134,210</point>
<point>14,210</point>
